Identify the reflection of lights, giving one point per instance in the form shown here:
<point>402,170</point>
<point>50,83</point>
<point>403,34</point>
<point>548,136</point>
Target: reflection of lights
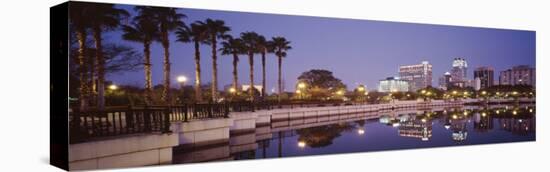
<point>515,112</point>
<point>423,120</point>
<point>425,139</point>
<point>447,126</point>
<point>455,92</point>
<point>483,92</point>
<point>395,124</point>
<point>520,120</point>
<point>530,110</point>
<point>454,116</point>
<point>301,144</point>
<point>361,131</point>
<point>483,114</point>
<point>498,111</point>
<point>465,113</point>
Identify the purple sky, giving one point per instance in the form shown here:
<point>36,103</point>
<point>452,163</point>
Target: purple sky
<point>357,51</point>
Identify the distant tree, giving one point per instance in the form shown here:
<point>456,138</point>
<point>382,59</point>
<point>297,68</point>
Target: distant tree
<point>320,79</point>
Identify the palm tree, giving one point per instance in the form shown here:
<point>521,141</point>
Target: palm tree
<point>232,46</point>
<point>197,34</point>
<point>79,20</point>
<point>215,29</point>
<point>250,40</point>
<point>263,46</point>
<point>105,17</point>
<point>168,19</point>
<point>280,47</point>
<point>143,30</point>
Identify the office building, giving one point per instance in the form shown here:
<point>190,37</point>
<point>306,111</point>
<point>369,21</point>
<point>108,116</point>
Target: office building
<point>518,75</point>
<point>393,84</point>
<point>418,76</point>
<point>485,76</point>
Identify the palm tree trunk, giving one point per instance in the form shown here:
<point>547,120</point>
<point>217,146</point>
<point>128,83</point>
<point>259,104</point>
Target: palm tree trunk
<point>279,81</point>
<point>235,76</point>
<point>148,77</point>
<point>100,69</point>
<point>198,96</point>
<point>251,62</point>
<point>214,70</point>
<point>92,90</point>
<point>166,90</point>
<point>81,36</point>
<point>263,74</point>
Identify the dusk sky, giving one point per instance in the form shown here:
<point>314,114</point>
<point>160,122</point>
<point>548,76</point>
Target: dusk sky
<point>356,51</point>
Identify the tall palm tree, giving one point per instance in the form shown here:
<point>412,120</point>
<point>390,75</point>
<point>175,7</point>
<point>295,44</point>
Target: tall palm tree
<point>198,35</point>
<point>215,29</point>
<point>143,30</point>
<point>263,46</point>
<point>168,19</point>
<point>79,20</point>
<point>280,47</point>
<point>105,17</point>
<point>232,46</point>
<point>250,40</point>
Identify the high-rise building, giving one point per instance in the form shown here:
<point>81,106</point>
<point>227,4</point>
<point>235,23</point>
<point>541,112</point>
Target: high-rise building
<point>459,72</point>
<point>518,75</point>
<point>445,81</point>
<point>393,84</point>
<point>485,75</point>
<point>419,75</point>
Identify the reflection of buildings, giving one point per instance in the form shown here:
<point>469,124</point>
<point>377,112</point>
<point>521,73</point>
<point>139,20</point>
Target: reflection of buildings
<point>393,84</point>
<point>482,122</point>
<point>458,72</point>
<point>485,76</point>
<point>518,126</point>
<point>458,126</point>
<point>418,76</point>
<point>518,75</point>
<point>416,128</point>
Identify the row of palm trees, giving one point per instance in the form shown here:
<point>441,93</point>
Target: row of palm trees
<point>154,24</point>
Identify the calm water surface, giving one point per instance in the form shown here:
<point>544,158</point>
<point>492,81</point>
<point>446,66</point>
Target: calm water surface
<point>381,131</point>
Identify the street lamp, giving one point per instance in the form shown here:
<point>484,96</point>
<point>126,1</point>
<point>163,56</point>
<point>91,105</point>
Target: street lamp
<point>113,87</point>
<point>301,85</point>
<point>182,79</point>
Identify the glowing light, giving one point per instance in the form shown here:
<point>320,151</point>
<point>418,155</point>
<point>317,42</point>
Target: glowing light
<point>484,92</point>
<point>232,90</point>
<point>182,79</point>
<point>340,92</point>
<point>298,91</point>
<point>483,114</point>
<point>361,89</point>
<point>515,112</point>
<point>530,110</point>
<point>455,92</point>
<point>423,91</point>
<point>423,120</point>
<point>465,113</point>
<point>113,87</point>
<point>301,85</point>
<point>360,131</point>
<point>498,111</point>
<point>301,144</point>
<point>454,116</point>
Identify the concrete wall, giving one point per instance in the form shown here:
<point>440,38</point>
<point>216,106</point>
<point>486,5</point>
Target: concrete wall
<point>128,151</point>
<point>202,131</point>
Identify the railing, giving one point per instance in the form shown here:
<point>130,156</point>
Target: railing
<point>115,121</point>
<point>87,125</point>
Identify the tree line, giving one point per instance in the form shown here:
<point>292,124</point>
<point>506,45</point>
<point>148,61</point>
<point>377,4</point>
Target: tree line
<point>154,25</point>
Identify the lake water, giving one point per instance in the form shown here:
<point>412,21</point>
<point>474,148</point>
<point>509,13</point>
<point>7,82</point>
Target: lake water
<point>391,130</point>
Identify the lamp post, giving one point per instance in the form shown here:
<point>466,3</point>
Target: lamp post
<point>182,79</point>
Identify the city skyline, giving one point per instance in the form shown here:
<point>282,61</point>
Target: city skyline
<point>388,44</point>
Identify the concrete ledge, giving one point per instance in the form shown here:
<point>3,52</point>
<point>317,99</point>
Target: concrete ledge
<point>122,145</point>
